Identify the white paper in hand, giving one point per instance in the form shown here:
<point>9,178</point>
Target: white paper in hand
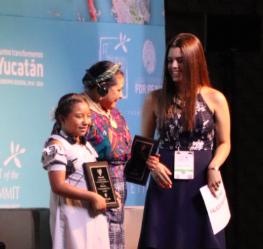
<point>217,208</point>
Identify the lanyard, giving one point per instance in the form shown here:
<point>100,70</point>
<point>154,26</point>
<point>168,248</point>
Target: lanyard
<point>190,140</point>
<point>175,134</point>
<point>173,127</point>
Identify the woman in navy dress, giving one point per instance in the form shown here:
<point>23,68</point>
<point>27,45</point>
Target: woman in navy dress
<point>187,113</point>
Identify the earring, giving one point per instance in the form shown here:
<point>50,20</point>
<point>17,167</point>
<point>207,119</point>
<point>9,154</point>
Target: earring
<point>100,98</point>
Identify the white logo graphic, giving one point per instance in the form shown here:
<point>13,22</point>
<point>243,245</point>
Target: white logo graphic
<point>109,50</point>
<point>99,171</point>
<point>15,153</point>
<point>149,56</point>
<point>122,42</point>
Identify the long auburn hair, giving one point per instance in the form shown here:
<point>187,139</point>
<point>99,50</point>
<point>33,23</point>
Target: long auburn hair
<point>195,74</point>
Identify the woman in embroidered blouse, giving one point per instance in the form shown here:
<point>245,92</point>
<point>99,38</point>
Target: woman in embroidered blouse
<point>186,112</point>
<point>109,134</point>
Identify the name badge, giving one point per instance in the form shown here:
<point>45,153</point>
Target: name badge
<point>184,165</point>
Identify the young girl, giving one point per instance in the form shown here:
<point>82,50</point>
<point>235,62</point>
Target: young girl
<point>77,219</point>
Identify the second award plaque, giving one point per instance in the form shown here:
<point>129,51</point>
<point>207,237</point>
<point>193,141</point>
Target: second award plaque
<point>99,180</point>
<point>136,170</point>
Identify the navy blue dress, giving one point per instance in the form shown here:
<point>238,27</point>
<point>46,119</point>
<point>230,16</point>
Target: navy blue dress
<point>176,218</point>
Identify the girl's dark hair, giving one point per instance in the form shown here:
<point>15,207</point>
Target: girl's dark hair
<point>66,103</point>
<point>195,74</point>
<point>99,68</point>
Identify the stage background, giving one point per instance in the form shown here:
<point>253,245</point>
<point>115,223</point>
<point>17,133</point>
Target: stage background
<point>45,48</point>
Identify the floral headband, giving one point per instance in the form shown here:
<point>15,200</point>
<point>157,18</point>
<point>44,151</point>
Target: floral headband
<point>102,77</point>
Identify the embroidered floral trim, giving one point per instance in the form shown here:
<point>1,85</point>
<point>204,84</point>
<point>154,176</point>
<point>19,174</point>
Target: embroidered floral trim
<point>203,133</point>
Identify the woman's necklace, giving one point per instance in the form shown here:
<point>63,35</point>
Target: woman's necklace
<point>112,121</point>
